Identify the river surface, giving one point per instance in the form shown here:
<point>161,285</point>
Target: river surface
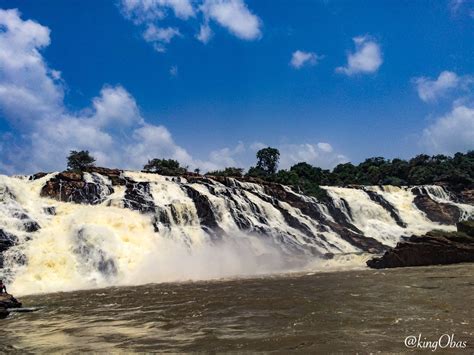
<point>351,311</point>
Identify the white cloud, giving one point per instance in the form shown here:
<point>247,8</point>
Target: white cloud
<point>145,11</point>
<point>148,12</point>
<point>159,36</point>
<point>205,33</point>
<point>451,133</point>
<point>257,146</point>
<point>320,154</point>
<point>226,157</point>
<point>235,16</point>
<point>300,58</point>
<point>31,99</point>
<point>242,155</point>
<point>325,147</point>
<point>115,106</point>
<point>111,128</point>
<point>433,89</point>
<point>367,57</point>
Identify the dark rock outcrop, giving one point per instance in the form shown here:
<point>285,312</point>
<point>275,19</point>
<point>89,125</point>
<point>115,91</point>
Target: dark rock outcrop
<point>437,212</point>
<point>70,186</point>
<point>434,248</point>
<point>387,206</point>
<point>38,176</point>
<point>114,175</point>
<point>205,213</point>
<point>138,197</point>
<point>466,196</point>
<point>7,240</point>
<point>8,301</point>
<point>344,228</point>
<point>466,227</point>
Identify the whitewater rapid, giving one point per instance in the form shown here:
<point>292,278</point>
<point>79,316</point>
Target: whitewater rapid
<point>160,229</point>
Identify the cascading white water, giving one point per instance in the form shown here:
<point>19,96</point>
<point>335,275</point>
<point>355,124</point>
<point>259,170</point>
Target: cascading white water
<point>108,242</point>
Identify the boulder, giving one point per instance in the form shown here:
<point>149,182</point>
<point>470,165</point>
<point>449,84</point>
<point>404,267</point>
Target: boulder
<point>8,301</point>
<point>434,248</point>
<point>437,212</point>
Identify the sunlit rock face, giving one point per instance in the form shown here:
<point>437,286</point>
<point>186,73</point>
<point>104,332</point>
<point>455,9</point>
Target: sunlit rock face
<point>64,231</point>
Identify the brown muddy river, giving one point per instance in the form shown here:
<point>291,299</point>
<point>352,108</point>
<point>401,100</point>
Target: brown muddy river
<point>354,311</point>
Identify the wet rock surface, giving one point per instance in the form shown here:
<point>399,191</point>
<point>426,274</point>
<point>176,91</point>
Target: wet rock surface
<point>437,212</point>
<point>7,240</point>
<point>71,187</point>
<point>434,248</point>
<point>205,213</point>
<point>466,196</point>
<point>8,301</point>
<point>138,197</point>
<point>344,228</point>
<point>257,207</point>
<point>387,206</point>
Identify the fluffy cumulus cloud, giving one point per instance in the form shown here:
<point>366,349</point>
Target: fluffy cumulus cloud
<point>366,59</point>
<point>233,15</point>
<point>451,133</point>
<point>43,130</point>
<point>31,100</point>
<point>432,89</point>
<point>301,58</point>
<point>321,154</point>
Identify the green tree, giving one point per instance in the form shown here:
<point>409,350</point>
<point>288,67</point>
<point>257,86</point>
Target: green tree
<point>168,167</point>
<point>79,160</point>
<point>229,171</point>
<point>267,160</point>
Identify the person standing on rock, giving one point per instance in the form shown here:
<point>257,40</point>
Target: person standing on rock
<point>2,287</point>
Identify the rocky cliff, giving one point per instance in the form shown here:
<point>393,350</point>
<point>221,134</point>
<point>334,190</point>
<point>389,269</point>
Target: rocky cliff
<point>105,224</point>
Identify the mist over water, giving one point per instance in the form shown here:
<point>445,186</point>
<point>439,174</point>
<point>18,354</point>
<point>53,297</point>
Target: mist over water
<point>65,246</point>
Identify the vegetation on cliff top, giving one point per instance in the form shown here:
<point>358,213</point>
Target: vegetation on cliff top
<point>457,171</point>
<point>78,161</point>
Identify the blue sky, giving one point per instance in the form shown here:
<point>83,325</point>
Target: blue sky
<point>208,82</point>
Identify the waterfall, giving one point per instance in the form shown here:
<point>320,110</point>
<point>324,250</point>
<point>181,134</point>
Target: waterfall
<point>100,228</point>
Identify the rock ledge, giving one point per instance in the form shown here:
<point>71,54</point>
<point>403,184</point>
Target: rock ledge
<point>434,248</point>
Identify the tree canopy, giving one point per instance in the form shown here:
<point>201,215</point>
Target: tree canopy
<point>267,160</point>
<point>168,167</point>
<point>456,172</point>
<point>79,160</point>
<point>267,163</point>
<point>229,171</point>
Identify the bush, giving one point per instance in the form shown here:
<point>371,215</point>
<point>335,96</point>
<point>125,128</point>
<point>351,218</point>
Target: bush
<point>168,167</point>
<point>79,161</point>
<point>229,171</point>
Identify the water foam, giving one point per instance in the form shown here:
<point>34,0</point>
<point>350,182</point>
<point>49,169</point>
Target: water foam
<point>87,246</point>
